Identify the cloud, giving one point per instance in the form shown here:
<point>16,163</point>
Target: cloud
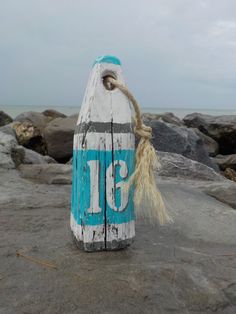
<point>174,53</point>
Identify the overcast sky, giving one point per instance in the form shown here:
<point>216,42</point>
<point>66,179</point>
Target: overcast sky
<point>174,53</point>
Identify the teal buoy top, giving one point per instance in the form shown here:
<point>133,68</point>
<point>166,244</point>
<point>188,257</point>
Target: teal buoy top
<point>107,59</point>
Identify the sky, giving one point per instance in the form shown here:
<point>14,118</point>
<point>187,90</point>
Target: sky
<point>174,53</point>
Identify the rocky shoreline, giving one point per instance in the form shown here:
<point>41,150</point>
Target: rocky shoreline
<point>197,147</point>
<point>47,137</point>
<point>186,267</point>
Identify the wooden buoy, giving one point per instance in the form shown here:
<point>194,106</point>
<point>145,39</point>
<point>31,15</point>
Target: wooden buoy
<point>102,211</point>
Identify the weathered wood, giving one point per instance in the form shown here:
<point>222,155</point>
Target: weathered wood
<point>102,215</point>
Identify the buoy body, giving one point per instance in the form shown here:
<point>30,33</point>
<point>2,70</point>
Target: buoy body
<point>102,210</point>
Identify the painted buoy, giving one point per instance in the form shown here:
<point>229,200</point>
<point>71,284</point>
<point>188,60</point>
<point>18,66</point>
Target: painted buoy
<point>102,211</point>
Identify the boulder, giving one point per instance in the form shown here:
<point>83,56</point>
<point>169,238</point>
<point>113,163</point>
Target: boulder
<point>30,127</point>
<point>226,161</point>
<point>230,174</point>
<point>211,146</point>
<point>220,128</point>
<point>47,173</point>
<point>167,117</point>
<point>4,118</point>
<point>30,136</point>
<point>8,129</point>
<point>178,166</point>
<point>7,143</point>
<point>223,192</point>
<point>53,114</point>
<point>37,119</point>
<point>180,140</point>
<point>22,155</point>
<point>59,137</point>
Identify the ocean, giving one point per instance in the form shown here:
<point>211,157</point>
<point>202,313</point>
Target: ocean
<point>13,111</point>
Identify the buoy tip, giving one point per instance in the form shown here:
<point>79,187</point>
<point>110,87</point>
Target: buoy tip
<point>107,59</point>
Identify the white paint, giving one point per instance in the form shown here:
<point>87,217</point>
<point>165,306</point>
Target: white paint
<point>103,141</point>
<point>99,104</point>
<point>111,187</point>
<point>89,234</point>
<point>94,186</point>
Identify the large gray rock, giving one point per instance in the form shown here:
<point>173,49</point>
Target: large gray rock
<point>180,140</point>
<point>29,127</point>
<point>22,155</point>
<point>167,117</point>
<point>38,120</point>
<point>226,161</point>
<point>185,267</point>
<point>4,118</point>
<point>53,114</point>
<point>178,166</point>
<point>220,128</point>
<point>59,137</point>
<point>8,129</point>
<point>12,154</point>
<point>7,144</point>
<point>47,173</point>
<point>210,145</point>
<point>225,192</point>
<point>30,136</point>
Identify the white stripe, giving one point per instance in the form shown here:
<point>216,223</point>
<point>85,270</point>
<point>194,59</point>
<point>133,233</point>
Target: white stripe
<point>120,231</point>
<point>100,104</point>
<point>89,234</point>
<point>103,141</point>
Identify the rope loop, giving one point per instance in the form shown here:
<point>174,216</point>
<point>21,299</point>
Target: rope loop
<point>147,161</point>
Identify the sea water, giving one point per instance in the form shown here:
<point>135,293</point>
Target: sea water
<point>13,111</point>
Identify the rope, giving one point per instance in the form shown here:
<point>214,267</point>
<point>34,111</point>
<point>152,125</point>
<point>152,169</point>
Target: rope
<point>147,161</point>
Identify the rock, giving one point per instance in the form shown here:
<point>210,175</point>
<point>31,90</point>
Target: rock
<point>211,146</point>
<point>22,155</point>
<point>47,173</point>
<point>230,292</point>
<point>4,118</point>
<point>230,174</point>
<point>59,138</point>
<point>178,166</point>
<point>70,162</point>
<point>18,155</point>
<point>7,143</point>
<point>37,119</point>
<point>8,129</point>
<point>167,117</point>
<point>226,161</point>
<point>220,128</point>
<point>225,192</point>
<point>185,267</point>
<point>180,140</point>
<point>30,136</point>
<point>53,114</point>
<point>29,127</point>
<point>32,157</point>
<point>49,160</point>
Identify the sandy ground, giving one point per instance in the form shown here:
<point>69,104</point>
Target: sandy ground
<point>187,267</point>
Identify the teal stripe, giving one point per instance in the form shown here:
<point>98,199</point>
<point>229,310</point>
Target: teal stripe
<point>80,199</point>
<point>107,59</point>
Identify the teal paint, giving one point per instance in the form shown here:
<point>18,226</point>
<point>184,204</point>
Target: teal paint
<point>107,59</point>
<point>81,187</point>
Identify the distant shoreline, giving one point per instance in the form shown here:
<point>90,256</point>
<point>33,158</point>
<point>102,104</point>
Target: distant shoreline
<point>13,111</point>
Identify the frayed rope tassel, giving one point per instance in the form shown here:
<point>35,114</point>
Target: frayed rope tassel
<point>147,162</point>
